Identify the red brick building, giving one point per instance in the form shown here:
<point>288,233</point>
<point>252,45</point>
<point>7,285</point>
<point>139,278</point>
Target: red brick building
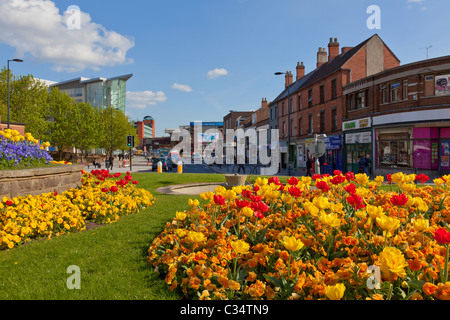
<point>401,117</point>
<point>145,129</point>
<point>316,99</point>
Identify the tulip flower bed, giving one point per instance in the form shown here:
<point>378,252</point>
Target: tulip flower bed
<point>102,198</point>
<point>330,237</point>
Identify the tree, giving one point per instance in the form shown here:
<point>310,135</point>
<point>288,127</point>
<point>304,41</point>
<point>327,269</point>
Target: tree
<point>87,131</point>
<point>115,137</point>
<point>61,114</point>
<point>28,102</point>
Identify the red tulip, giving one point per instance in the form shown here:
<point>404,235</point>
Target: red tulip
<point>242,203</point>
<point>105,190</point>
<point>258,214</point>
<point>8,202</point>
<point>422,178</point>
<point>259,206</point>
<point>219,200</point>
<point>322,185</point>
<point>350,188</point>
<point>113,189</point>
<point>356,201</point>
<point>134,182</point>
<point>350,176</point>
<point>389,178</point>
<point>117,175</point>
<point>293,181</point>
<point>442,236</point>
<point>338,179</point>
<point>316,176</point>
<point>337,172</point>
<point>294,191</point>
<point>399,200</point>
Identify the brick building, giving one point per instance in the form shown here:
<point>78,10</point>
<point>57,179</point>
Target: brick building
<point>316,99</point>
<point>145,129</point>
<point>401,117</point>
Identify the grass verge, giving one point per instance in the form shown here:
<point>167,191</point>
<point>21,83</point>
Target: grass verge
<point>111,258</point>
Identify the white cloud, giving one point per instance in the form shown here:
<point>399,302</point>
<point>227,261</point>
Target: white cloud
<point>416,1</point>
<point>182,87</point>
<point>38,29</point>
<point>216,73</point>
<point>143,99</point>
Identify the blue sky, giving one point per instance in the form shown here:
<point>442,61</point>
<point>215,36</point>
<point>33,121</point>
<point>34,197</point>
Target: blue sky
<point>175,48</point>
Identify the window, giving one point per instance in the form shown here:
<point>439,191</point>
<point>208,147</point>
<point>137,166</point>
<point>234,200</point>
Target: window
<point>310,124</point>
<point>333,89</point>
<point>283,110</point>
<point>322,94</point>
<point>300,102</point>
<point>405,89</point>
<point>334,119</point>
<point>395,87</point>
<point>360,100</point>
<point>284,128</point>
<point>350,102</point>
<point>322,121</point>
<point>395,150</point>
<point>309,98</point>
<point>300,126</point>
<point>384,94</point>
<point>366,100</point>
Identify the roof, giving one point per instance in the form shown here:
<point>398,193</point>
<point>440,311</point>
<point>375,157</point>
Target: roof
<point>324,70</point>
<point>87,80</point>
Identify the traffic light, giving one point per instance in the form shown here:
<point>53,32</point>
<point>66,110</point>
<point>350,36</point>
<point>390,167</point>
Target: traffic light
<point>130,141</point>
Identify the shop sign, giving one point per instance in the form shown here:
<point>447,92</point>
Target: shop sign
<point>333,142</point>
<point>357,124</point>
<point>360,137</point>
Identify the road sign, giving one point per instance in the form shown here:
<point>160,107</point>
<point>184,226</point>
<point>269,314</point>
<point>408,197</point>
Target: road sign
<point>317,149</point>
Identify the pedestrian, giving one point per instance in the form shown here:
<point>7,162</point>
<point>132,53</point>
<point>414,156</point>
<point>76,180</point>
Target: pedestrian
<point>367,164</point>
<point>361,164</point>
<point>308,167</point>
<point>111,161</point>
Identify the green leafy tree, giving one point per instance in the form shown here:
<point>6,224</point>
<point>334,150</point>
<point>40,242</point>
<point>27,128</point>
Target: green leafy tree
<point>28,102</point>
<point>87,131</point>
<point>115,128</point>
<point>61,115</point>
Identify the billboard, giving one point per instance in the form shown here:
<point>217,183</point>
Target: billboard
<point>442,83</point>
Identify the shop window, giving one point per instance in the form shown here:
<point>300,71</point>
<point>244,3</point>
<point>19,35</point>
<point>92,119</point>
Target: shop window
<point>395,150</point>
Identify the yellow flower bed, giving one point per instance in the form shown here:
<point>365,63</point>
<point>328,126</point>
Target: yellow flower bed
<point>338,237</point>
<point>102,198</point>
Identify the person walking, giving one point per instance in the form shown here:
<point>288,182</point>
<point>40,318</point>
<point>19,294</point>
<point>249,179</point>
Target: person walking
<point>308,167</point>
<point>361,164</point>
<point>111,161</point>
<point>367,164</point>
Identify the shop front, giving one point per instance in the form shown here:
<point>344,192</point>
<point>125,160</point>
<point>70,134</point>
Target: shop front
<point>413,149</point>
<point>358,143</point>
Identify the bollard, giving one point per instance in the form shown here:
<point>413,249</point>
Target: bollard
<point>159,167</point>
<point>180,167</point>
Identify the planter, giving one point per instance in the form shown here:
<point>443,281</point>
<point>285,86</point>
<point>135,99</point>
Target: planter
<point>234,180</point>
<point>25,182</point>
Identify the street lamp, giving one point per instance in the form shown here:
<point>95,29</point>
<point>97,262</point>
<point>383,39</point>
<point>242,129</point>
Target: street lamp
<point>289,124</point>
<point>15,60</point>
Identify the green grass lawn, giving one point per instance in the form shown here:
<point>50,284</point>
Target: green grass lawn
<point>111,258</point>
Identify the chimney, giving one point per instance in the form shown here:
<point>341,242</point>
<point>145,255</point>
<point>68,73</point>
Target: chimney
<point>333,49</point>
<point>345,49</point>
<point>321,57</point>
<point>300,71</point>
<point>264,102</point>
<point>288,77</point>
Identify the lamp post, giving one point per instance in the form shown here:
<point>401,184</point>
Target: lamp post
<point>15,60</point>
<point>289,124</point>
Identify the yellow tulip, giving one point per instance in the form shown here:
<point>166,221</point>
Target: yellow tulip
<point>388,224</point>
<point>335,292</point>
<point>379,180</point>
<point>311,208</point>
<point>361,179</point>
<point>240,246</point>
<point>181,215</point>
<point>393,261</point>
<point>193,203</point>
<point>420,224</point>
<point>248,212</point>
<point>196,237</point>
<point>331,219</point>
<point>292,243</point>
<point>321,202</point>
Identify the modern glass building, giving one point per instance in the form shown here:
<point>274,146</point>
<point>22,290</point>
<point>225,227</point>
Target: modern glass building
<point>99,92</point>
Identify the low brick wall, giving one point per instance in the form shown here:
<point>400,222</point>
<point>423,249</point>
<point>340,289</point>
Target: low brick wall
<point>15,183</point>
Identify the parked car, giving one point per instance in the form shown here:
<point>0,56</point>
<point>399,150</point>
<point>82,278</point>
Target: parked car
<point>166,164</point>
